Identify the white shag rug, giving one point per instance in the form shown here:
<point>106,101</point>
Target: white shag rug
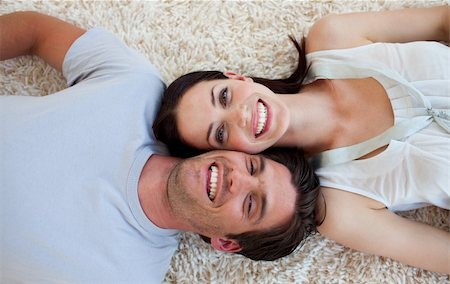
<point>249,37</point>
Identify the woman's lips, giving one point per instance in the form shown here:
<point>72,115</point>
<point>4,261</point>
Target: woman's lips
<point>260,124</point>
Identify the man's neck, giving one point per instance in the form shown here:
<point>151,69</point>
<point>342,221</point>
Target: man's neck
<point>152,190</point>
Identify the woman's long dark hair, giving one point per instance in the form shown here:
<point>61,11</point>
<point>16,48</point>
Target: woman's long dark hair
<point>165,125</point>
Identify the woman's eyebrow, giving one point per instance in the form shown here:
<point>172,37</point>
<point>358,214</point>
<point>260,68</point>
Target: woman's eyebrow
<point>209,133</point>
<point>213,102</point>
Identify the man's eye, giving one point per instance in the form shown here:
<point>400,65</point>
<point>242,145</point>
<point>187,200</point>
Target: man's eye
<point>219,134</point>
<point>250,204</point>
<point>223,97</point>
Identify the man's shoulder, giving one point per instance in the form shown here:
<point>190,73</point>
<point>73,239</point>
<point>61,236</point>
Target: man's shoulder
<point>100,52</point>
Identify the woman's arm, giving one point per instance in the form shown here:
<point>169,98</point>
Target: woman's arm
<point>32,33</point>
<point>362,224</point>
<point>355,29</point>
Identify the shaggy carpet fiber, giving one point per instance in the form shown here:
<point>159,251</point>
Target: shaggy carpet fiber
<point>249,37</point>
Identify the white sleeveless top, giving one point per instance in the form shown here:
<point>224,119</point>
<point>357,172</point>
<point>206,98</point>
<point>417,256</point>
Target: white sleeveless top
<point>414,170</point>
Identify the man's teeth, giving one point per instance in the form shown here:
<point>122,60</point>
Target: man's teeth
<point>262,118</point>
<point>213,182</point>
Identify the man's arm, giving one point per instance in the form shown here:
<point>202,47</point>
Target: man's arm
<point>355,29</point>
<point>354,221</point>
<point>32,33</point>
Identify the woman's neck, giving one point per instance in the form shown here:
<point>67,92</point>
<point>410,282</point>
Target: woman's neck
<point>315,119</point>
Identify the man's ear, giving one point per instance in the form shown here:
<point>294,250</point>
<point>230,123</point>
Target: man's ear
<point>226,245</point>
<point>232,75</point>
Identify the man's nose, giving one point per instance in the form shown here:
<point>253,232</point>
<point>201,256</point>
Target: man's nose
<point>241,182</point>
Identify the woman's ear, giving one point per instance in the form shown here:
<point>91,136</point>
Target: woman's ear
<point>234,76</point>
<point>225,245</point>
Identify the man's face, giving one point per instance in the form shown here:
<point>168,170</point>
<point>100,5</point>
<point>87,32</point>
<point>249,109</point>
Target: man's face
<point>225,192</point>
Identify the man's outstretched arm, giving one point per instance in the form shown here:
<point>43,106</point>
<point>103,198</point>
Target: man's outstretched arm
<point>32,33</point>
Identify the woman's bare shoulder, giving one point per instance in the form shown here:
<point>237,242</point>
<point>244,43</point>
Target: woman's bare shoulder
<point>342,206</point>
<point>333,32</point>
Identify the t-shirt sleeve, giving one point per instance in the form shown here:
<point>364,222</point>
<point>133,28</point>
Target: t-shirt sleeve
<point>99,53</point>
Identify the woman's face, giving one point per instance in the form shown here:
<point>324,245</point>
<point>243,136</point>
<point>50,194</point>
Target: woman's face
<point>233,114</point>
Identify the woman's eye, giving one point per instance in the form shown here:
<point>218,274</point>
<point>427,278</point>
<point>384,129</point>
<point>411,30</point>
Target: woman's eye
<point>219,134</point>
<point>250,204</point>
<point>223,97</point>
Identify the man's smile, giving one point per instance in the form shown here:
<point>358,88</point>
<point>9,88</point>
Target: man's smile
<point>212,181</point>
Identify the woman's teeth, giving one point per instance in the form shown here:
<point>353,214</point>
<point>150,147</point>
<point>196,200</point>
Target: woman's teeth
<point>213,183</point>
<point>262,118</point>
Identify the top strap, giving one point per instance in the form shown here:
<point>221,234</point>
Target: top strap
<point>329,69</point>
<point>349,153</point>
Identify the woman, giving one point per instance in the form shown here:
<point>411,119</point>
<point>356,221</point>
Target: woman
<point>372,115</point>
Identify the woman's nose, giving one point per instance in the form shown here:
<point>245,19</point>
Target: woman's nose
<point>241,116</point>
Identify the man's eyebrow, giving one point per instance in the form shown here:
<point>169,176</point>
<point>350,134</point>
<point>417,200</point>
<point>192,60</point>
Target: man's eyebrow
<point>262,210</point>
<point>262,163</point>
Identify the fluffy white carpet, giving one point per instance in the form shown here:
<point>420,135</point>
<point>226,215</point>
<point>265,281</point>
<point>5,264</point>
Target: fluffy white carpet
<point>250,37</point>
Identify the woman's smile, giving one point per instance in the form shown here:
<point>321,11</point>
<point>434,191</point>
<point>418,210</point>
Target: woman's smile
<point>262,120</point>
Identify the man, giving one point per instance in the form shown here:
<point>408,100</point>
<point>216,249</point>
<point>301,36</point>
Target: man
<point>87,195</point>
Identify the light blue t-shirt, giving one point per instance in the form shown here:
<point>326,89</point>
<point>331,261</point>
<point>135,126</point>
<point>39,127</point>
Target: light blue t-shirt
<point>69,168</point>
